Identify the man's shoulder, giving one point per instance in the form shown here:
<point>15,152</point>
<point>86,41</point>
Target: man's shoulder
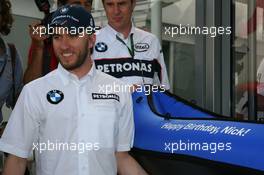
<point>143,35</point>
<point>102,32</point>
<point>142,32</point>
<point>39,82</point>
<point>103,38</point>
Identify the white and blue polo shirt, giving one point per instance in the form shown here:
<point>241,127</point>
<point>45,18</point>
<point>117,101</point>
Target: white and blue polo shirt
<point>142,64</point>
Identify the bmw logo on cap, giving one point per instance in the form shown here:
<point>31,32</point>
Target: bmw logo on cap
<point>55,96</point>
<point>101,47</point>
<point>64,10</point>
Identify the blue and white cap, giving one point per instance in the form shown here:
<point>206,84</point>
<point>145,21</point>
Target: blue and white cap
<point>72,16</point>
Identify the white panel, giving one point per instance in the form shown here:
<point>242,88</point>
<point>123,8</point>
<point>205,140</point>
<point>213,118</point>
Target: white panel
<point>26,8</point>
<point>180,12</point>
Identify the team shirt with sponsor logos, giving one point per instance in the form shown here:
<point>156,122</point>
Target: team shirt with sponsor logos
<point>142,64</point>
<point>74,125</point>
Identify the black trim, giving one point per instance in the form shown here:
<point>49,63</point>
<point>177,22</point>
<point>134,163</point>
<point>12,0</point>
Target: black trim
<point>146,68</point>
<point>158,68</point>
<point>204,162</point>
<point>218,117</point>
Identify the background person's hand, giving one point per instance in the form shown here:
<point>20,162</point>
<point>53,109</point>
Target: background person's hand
<point>35,31</point>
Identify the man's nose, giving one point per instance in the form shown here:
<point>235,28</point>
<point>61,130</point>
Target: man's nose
<point>65,43</point>
<point>116,9</point>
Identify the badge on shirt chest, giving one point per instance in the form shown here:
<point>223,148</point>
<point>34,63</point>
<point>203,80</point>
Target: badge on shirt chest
<point>55,96</point>
<point>141,47</point>
<point>101,47</point>
<point>99,96</point>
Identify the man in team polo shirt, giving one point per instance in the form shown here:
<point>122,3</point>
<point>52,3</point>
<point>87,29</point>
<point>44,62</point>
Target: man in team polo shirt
<point>74,127</point>
<point>126,52</point>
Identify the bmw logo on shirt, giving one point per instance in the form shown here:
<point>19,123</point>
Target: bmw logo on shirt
<point>101,47</point>
<point>55,96</point>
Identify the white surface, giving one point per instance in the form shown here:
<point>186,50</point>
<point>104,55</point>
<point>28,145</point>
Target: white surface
<point>26,8</point>
<point>180,12</point>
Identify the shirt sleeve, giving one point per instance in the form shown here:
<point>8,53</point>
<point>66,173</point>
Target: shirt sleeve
<point>18,82</point>
<point>22,128</point>
<point>161,78</point>
<point>126,125</point>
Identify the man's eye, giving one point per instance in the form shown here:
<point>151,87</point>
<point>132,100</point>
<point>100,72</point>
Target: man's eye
<point>122,3</point>
<point>74,35</point>
<point>109,4</point>
<point>55,36</point>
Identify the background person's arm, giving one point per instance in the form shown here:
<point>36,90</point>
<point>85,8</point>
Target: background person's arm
<point>127,165</point>
<point>14,165</point>
<point>35,57</point>
<point>162,77</point>
<point>18,85</point>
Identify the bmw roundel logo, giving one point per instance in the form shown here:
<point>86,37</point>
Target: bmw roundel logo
<point>55,96</point>
<point>101,47</point>
<point>64,10</point>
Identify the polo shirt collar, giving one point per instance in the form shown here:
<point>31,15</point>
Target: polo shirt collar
<point>113,32</point>
<point>67,76</point>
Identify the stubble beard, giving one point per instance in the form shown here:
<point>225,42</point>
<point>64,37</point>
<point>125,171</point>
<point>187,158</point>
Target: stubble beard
<point>80,60</point>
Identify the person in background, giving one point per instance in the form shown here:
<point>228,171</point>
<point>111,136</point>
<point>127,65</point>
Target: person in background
<point>41,47</point>
<point>11,72</point>
<point>127,52</point>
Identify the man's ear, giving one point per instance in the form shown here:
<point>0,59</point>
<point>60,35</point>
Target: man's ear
<point>92,39</point>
